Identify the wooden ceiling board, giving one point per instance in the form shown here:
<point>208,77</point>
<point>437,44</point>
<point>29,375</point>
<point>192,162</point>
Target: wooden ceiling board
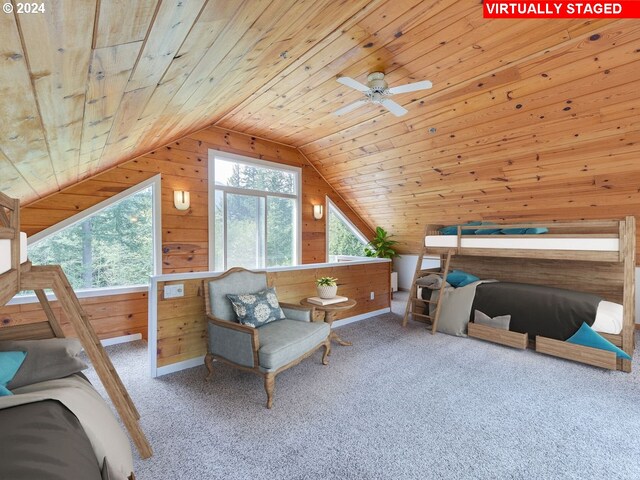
<point>123,21</point>
<point>58,47</point>
<point>376,51</point>
<point>216,17</point>
<point>531,119</point>
<point>540,77</point>
<point>22,139</point>
<point>108,76</point>
<point>259,45</point>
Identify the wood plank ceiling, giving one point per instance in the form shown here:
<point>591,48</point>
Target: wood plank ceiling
<point>521,111</point>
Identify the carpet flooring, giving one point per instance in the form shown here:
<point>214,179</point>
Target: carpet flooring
<point>398,404</point>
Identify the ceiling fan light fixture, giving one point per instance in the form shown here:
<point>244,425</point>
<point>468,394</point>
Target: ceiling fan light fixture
<point>377,91</point>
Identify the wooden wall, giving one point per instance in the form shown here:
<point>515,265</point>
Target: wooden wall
<point>182,325</point>
<point>183,166</point>
<point>111,316</point>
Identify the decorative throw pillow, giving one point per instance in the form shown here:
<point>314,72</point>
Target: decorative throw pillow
<point>458,278</point>
<point>257,309</point>
<point>453,229</point>
<point>10,362</point>
<point>502,321</point>
<point>588,337</point>
<point>46,359</point>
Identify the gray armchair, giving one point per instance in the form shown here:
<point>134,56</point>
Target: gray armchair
<point>268,349</point>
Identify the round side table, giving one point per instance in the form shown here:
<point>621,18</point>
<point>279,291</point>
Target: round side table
<point>330,312</point>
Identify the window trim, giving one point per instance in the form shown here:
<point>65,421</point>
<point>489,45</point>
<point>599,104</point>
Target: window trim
<point>212,187</point>
<point>329,204</point>
<point>156,199</point>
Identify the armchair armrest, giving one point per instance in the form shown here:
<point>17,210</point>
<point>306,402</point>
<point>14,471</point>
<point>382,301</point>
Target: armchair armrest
<point>234,342</point>
<point>297,312</point>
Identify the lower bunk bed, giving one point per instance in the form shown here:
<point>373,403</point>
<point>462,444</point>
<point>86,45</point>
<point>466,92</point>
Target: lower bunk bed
<point>55,425</point>
<point>566,289</point>
<point>573,325</point>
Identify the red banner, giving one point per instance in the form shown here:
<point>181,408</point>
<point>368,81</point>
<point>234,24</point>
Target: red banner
<point>560,9</point>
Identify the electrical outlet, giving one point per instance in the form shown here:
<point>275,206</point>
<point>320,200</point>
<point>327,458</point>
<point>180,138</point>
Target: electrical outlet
<point>373,295</point>
<point>174,291</point>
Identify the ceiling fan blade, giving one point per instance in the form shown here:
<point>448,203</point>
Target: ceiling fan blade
<point>411,87</point>
<point>350,107</point>
<point>393,107</point>
<point>350,82</point>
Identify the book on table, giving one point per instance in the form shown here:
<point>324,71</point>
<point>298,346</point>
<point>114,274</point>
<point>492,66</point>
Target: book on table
<point>326,301</point>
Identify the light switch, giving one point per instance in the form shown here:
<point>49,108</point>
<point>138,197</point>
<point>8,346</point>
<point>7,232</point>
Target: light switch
<point>173,291</point>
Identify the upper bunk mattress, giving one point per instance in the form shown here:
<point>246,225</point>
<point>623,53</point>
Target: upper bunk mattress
<point>525,242</point>
<point>5,252</point>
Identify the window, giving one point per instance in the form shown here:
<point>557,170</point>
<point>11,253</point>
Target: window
<point>343,238</point>
<point>255,213</point>
<point>110,246</point>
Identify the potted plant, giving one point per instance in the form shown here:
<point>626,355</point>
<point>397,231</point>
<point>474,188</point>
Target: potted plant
<point>327,287</point>
<point>381,246</point>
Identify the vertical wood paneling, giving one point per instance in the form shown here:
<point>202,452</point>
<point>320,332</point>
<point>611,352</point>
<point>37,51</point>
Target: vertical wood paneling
<point>183,165</point>
<point>182,330</point>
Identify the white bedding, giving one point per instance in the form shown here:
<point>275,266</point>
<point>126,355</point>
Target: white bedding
<point>100,425</point>
<point>529,242</point>
<point>5,252</point>
<point>609,316</point>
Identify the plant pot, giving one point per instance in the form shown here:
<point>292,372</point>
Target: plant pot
<point>327,292</point>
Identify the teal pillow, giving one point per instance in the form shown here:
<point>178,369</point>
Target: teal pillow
<point>588,337</point>
<point>488,231</point>
<point>525,231</point>
<point>10,363</point>
<point>458,278</point>
<point>514,231</point>
<point>257,309</point>
<point>453,229</point>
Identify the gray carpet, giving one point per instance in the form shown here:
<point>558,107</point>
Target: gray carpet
<point>398,404</point>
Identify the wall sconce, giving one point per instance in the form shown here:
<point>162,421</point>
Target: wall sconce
<point>317,212</point>
<point>181,199</point>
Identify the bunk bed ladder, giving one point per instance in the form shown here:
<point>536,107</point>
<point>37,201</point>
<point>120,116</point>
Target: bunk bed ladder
<point>414,300</point>
<point>38,278</point>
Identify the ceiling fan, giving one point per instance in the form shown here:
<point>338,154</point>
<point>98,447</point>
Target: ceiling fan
<point>378,92</point>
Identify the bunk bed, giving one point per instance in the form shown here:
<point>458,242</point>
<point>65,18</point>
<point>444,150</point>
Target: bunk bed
<point>594,257</point>
<point>17,274</point>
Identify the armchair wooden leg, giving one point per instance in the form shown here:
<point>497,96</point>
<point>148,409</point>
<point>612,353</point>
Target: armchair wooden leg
<point>269,385</point>
<point>327,352</point>
<point>208,361</point>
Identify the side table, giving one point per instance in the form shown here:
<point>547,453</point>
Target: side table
<point>330,312</point>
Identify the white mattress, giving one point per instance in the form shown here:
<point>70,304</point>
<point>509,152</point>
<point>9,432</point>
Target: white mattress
<point>530,242</point>
<point>5,252</point>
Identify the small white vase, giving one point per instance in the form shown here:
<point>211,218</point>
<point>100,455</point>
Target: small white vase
<point>327,292</point>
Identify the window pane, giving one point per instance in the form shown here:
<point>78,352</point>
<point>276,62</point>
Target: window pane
<point>280,231</point>
<point>111,248</point>
<point>218,238</point>
<point>342,239</point>
<point>240,175</point>
<point>245,231</point>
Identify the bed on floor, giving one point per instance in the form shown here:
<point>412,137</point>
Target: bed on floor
<point>54,423</point>
<point>549,278</point>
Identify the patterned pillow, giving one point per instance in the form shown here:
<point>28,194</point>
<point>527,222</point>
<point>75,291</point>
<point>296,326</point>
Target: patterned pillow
<point>256,309</point>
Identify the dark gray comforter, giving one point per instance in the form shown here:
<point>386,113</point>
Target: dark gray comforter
<point>537,310</point>
<point>44,441</point>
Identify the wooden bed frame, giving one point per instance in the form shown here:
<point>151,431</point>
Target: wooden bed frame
<point>38,278</point>
<point>610,275</point>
